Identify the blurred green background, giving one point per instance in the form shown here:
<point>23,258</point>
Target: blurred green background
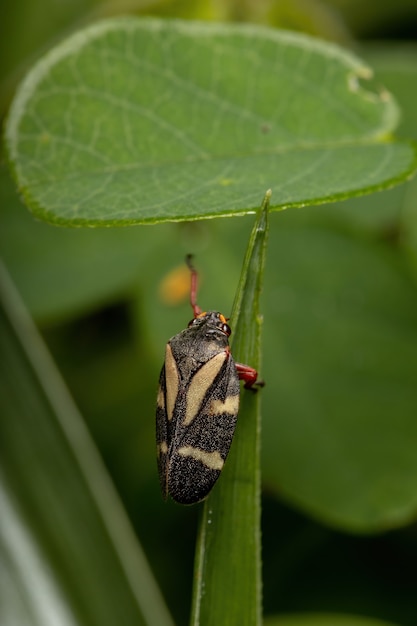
<point>340,335</point>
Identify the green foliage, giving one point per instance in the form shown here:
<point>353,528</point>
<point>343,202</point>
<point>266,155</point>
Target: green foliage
<point>143,121</point>
<point>339,308</point>
<point>63,535</point>
<point>342,440</point>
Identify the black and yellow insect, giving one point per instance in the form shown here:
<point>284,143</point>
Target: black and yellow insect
<point>197,404</point>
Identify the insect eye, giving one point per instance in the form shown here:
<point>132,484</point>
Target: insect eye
<point>193,322</point>
<point>226,329</point>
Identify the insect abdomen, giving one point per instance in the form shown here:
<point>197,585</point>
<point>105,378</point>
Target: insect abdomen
<point>195,464</point>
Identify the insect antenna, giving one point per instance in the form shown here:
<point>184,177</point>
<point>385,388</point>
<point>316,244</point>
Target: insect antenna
<point>194,285</point>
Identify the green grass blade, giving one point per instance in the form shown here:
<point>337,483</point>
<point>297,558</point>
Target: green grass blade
<point>228,559</point>
<point>70,552</point>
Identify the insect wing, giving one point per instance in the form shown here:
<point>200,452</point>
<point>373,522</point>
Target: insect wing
<point>168,406</point>
<point>205,420</point>
<point>162,439</point>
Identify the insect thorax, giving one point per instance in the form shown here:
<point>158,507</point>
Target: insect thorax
<point>198,343</point>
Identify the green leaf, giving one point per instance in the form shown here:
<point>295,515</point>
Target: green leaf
<point>95,265</point>
<point>71,555</point>
<point>340,427</point>
<point>398,66</point>
<point>140,121</point>
<point>227,586</point>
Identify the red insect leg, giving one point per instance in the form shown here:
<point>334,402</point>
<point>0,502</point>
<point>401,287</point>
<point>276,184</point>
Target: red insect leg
<point>248,374</point>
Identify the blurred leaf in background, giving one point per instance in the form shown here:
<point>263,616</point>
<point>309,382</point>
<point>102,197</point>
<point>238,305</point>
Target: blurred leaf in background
<point>63,533</point>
